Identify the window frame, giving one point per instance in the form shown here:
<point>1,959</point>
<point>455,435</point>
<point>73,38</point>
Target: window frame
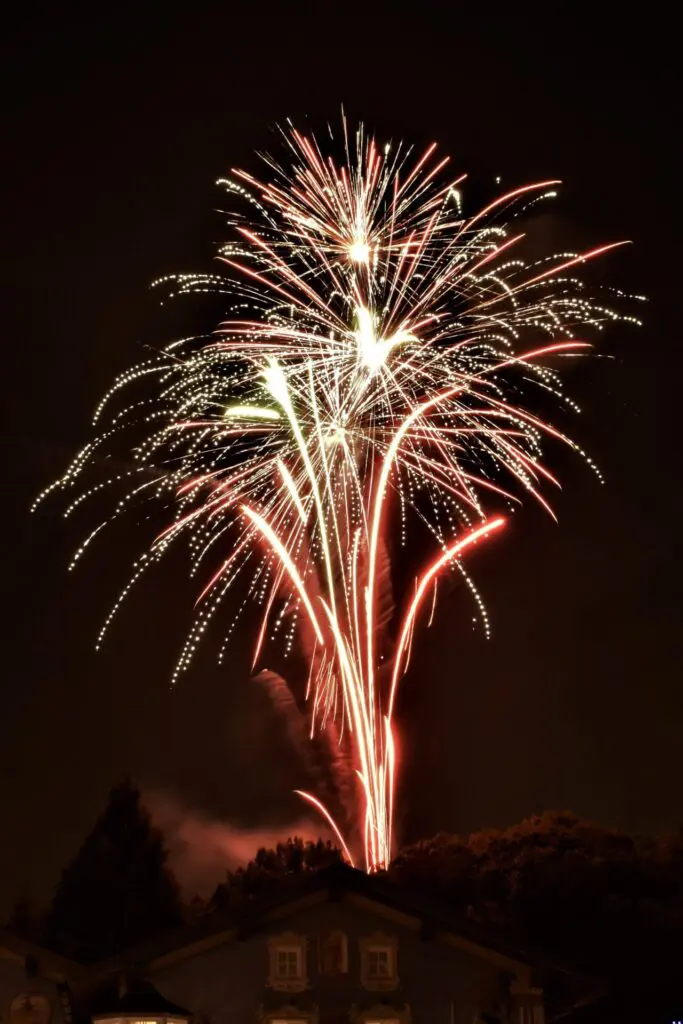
<point>287,943</point>
<point>288,951</point>
<point>379,943</point>
<point>384,958</point>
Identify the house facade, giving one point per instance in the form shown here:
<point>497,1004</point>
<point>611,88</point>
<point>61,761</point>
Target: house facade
<point>339,950</point>
<point>34,983</point>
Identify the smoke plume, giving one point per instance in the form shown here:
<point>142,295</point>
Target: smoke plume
<point>203,848</point>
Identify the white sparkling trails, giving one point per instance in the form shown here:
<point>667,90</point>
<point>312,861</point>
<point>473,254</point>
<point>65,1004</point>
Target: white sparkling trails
<point>382,373</point>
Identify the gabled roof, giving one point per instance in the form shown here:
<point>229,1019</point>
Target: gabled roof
<point>52,965</point>
<point>294,893</point>
<point>141,1000</point>
<point>97,987</point>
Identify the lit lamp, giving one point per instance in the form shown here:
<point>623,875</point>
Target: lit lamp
<point>140,1003</point>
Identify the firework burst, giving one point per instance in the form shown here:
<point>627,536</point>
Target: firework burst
<point>369,380</point>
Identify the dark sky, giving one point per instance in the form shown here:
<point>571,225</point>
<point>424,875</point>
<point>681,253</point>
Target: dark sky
<point>116,127</point>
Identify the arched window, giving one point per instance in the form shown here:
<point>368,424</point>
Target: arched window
<point>334,953</point>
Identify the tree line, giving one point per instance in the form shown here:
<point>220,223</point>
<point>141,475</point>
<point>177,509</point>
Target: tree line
<point>587,896</point>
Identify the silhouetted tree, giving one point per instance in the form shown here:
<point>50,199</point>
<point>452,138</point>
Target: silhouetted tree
<point>271,868</point>
<point>118,890</point>
<point>591,896</point>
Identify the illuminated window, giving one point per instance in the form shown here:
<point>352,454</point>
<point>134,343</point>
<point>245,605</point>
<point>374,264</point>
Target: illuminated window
<point>382,1015</point>
<point>290,1015</point>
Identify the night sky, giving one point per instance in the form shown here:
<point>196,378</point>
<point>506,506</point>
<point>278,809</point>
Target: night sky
<point>116,128</point>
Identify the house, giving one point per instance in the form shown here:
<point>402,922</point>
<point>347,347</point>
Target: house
<point>332,947</point>
<point>35,983</point>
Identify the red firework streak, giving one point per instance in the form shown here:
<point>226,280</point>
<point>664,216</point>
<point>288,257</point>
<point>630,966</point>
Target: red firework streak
<point>368,385</point>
